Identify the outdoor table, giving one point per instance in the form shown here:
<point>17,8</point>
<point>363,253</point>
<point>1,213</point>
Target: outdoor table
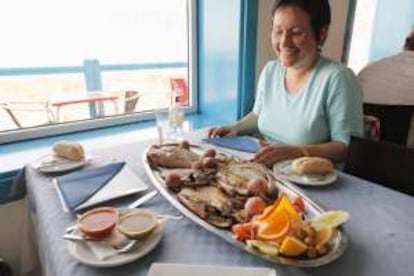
<point>67,99</point>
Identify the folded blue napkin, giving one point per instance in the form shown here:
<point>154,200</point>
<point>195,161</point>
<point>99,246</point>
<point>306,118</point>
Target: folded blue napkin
<point>241,143</point>
<point>77,187</point>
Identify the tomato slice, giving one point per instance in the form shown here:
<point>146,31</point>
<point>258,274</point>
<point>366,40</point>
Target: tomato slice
<point>299,204</point>
<point>243,231</point>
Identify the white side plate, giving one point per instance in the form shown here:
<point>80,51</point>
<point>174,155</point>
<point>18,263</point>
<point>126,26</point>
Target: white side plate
<point>53,164</point>
<point>284,170</point>
<point>82,252</point>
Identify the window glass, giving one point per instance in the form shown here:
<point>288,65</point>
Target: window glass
<point>361,34</point>
<point>75,60</point>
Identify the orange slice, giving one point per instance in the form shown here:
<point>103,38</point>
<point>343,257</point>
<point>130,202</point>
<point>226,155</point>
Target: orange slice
<point>292,247</point>
<point>324,235</point>
<point>282,204</point>
<point>274,229</point>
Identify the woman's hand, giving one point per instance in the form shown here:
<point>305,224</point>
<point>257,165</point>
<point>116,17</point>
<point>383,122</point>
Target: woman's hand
<point>221,131</point>
<point>245,126</point>
<point>272,153</point>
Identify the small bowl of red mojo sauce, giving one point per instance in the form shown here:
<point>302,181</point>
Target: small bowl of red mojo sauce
<point>137,223</point>
<point>99,222</point>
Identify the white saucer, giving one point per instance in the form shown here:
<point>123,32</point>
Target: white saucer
<point>284,170</point>
<point>53,164</point>
<point>83,253</point>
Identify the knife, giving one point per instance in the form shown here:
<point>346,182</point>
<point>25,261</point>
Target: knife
<point>142,199</point>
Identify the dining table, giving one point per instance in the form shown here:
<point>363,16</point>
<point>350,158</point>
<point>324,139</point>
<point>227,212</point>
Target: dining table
<point>380,231</point>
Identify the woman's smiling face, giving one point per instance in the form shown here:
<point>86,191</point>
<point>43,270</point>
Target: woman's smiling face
<point>293,38</point>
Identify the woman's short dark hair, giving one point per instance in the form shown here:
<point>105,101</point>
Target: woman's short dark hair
<point>409,41</point>
<point>319,12</point>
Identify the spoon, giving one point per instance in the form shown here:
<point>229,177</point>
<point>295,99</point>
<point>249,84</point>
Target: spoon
<point>125,247</point>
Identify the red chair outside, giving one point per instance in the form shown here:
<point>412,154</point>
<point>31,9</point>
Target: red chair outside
<point>179,86</point>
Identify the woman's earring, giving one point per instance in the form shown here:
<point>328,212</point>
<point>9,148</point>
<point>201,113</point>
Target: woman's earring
<point>319,48</point>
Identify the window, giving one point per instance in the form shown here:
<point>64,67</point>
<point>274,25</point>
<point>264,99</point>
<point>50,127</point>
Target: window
<point>361,34</point>
<point>73,65</point>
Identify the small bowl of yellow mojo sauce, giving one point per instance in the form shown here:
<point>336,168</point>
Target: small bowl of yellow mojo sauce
<point>137,223</point>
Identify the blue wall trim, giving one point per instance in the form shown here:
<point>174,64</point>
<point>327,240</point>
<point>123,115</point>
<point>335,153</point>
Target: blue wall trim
<point>218,31</point>
<point>226,58</point>
<point>247,56</point>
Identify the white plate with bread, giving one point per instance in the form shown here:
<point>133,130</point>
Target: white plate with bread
<point>311,171</point>
<point>65,156</point>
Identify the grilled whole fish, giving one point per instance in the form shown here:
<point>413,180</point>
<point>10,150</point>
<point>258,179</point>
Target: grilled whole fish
<point>171,156</point>
<point>234,178</point>
<point>209,203</point>
<point>191,177</point>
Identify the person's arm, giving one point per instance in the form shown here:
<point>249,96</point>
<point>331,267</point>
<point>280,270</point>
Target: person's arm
<point>336,151</point>
<point>246,125</point>
<point>272,153</point>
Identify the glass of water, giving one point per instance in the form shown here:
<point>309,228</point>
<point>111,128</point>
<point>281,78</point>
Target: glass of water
<point>169,125</point>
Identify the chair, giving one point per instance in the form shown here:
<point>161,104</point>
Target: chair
<point>372,127</point>
<point>40,106</point>
<point>381,162</point>
<point>130,101</point>
<point>395,121</point>
<point>179,85</point>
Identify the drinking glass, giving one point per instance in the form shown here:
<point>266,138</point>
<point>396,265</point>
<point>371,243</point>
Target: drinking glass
<point>169,125</point>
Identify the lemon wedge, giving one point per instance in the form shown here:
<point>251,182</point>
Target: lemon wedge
<point>330,219</point>
<point>267,248</point>
<point>324,235</point>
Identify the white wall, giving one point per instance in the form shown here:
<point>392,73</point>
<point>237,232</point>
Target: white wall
<point>335,42</point>
<point>17,244</point>
<point>264,50</point>
<point>332,48</point>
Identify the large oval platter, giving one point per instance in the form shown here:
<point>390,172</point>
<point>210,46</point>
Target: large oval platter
<point>338,244</point>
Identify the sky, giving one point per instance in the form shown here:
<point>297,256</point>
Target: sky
<point>66,32</point>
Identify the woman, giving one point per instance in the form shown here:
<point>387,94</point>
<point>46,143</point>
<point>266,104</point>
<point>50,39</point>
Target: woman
<point>306,104</point>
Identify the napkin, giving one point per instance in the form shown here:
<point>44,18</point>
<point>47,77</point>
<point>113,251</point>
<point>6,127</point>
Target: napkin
<point>104,249</point>
<point>82,189</point>
<point>241,143</point>
<point>101,250</point>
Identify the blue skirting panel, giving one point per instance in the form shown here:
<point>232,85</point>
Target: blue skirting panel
<point>7,184</point>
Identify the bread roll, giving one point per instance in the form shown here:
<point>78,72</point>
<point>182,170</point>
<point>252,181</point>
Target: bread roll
<point>312,165</point>
<point>69,150</point>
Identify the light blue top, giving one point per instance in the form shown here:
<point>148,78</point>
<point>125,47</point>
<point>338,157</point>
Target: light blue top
<point>328,107</point>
